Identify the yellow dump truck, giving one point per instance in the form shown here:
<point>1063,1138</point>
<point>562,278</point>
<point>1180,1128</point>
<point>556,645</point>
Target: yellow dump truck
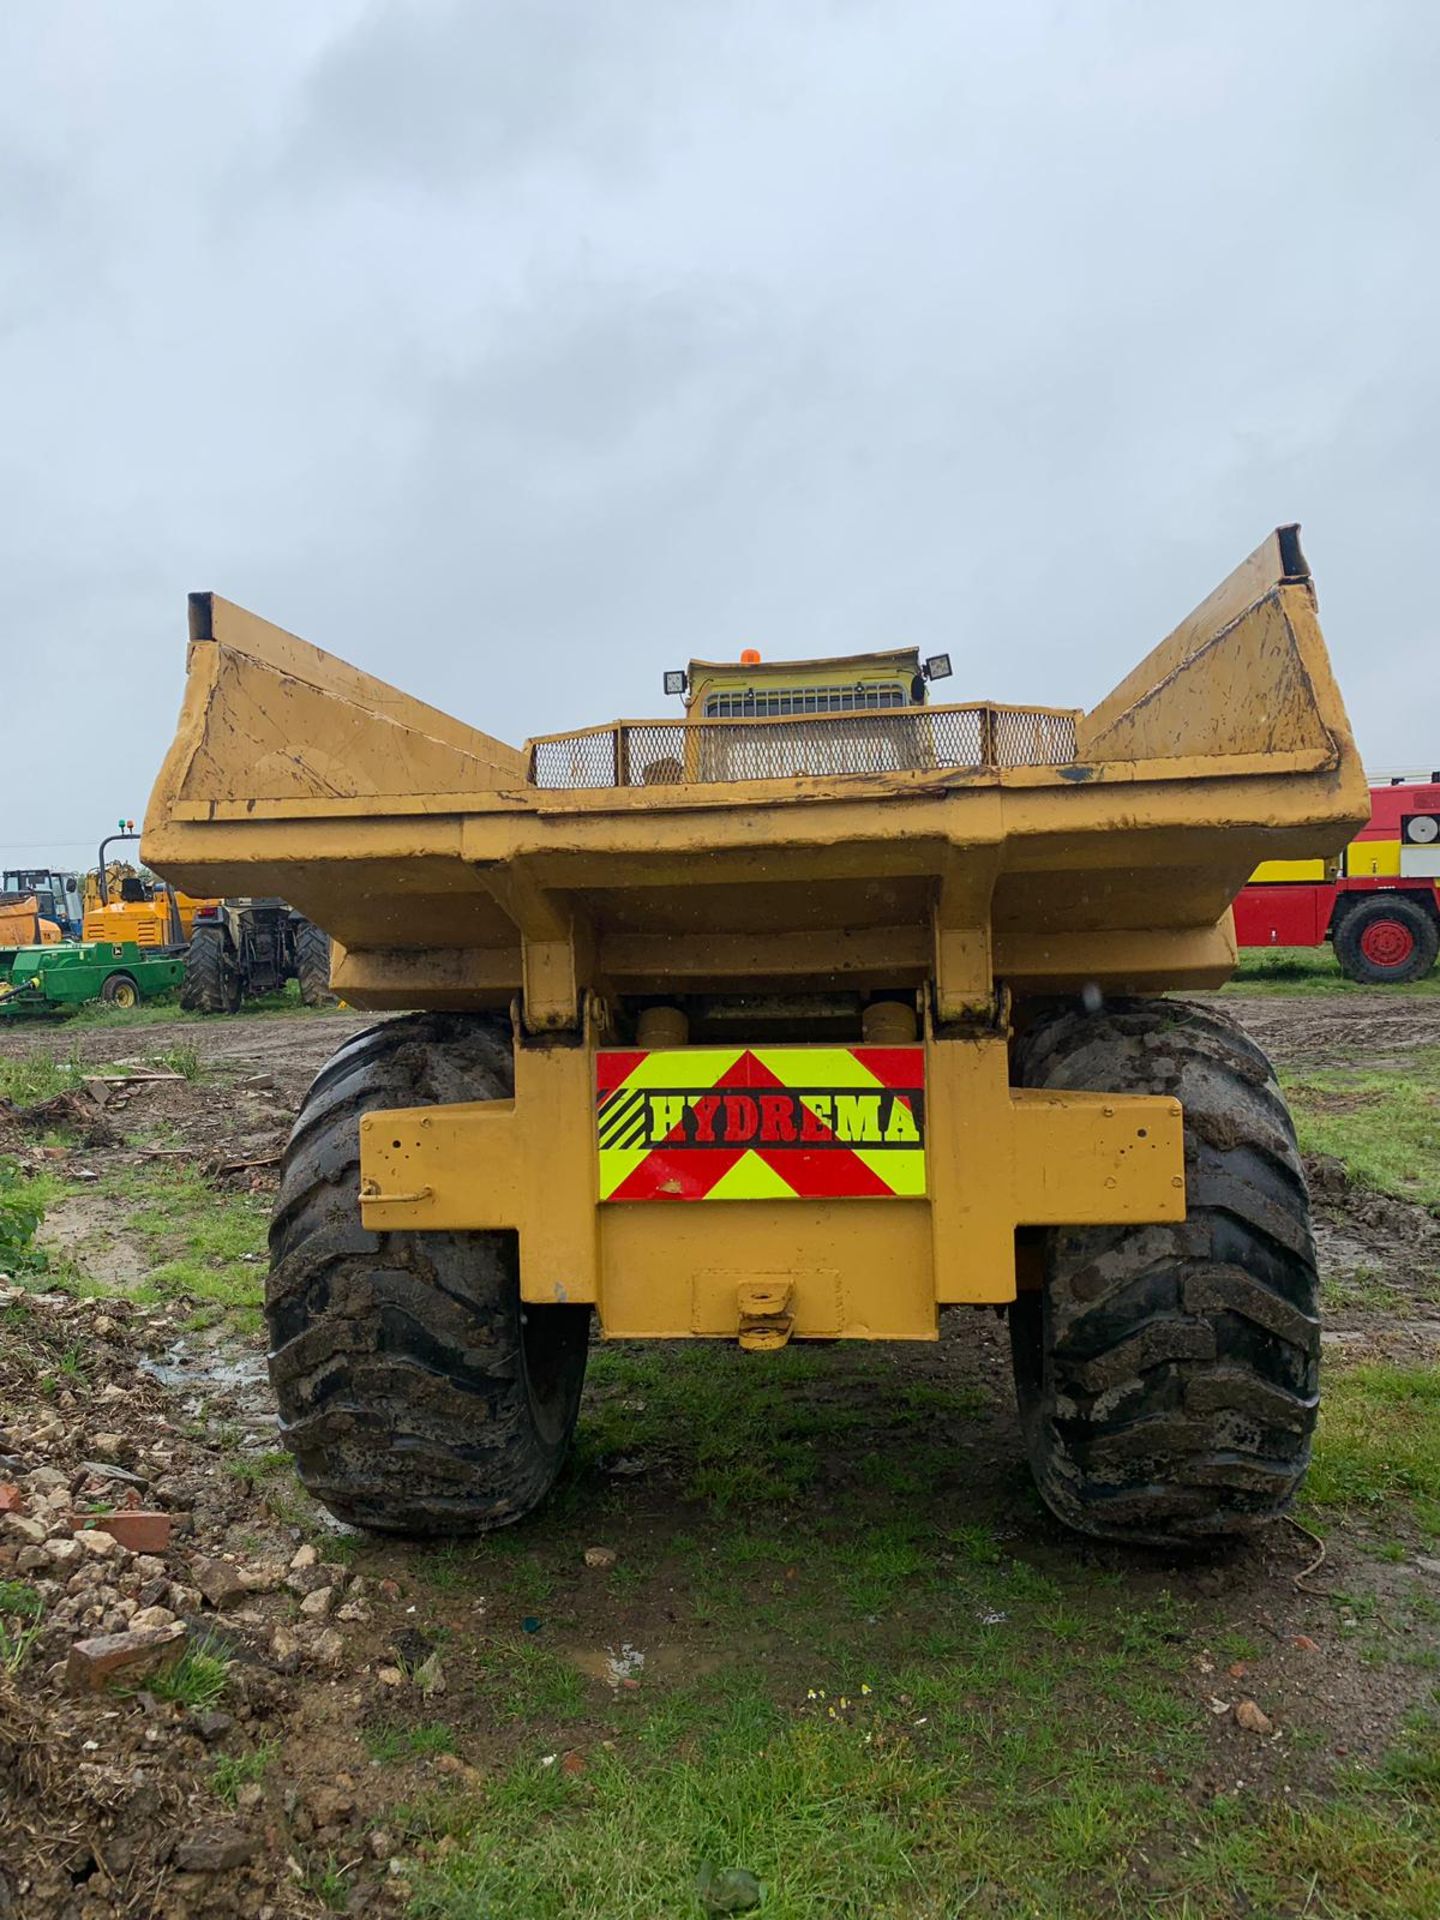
<point>801,1014</point>
<point>22,924</point>
<point>122,905</point>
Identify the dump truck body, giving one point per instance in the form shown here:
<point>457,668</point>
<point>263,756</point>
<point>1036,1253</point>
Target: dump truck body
<point>766,976</point>
<point>22,922</point>
<point>58,895</point>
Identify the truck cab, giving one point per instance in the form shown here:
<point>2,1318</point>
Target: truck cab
<point>58,896</point>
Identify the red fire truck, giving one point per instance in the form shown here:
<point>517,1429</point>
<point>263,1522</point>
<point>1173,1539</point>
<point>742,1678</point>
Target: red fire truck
<point>1379,908</point>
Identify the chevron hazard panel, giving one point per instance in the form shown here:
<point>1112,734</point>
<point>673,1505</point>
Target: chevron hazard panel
<point>761,1123</point>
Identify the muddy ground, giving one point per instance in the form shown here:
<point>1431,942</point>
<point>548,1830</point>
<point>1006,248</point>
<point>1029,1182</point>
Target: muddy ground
<point>135,1802</point>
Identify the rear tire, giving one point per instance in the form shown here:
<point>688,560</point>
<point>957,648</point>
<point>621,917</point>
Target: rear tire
<point>1387,941</point>
<point>312,964</point>
<point>417,1394</point>
<point>209,983</point>
<point>1167,1375</point>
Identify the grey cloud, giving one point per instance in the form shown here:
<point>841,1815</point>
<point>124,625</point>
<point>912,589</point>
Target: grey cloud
<point>518,352</point>
<point>434,94</point>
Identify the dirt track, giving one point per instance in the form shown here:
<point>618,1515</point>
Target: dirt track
<point>192,1413</point>
<point>1308,1030</point>
<point>1337,1030</point>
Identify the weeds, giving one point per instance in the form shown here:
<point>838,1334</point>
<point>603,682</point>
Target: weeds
<point>236,1770</point>
<point>28,1079</point>
<point>389,1744</point>
<point>184,1060</point>
<point>22,1208</point>
<point>20,1614</point>
<point>197,1679</point>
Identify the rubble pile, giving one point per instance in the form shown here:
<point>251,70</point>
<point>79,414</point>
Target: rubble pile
<point>158,1624</point>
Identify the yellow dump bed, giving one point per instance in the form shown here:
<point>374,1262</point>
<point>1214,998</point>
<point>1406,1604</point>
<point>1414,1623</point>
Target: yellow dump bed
<point>22,924</point>
<point>1048,846</point>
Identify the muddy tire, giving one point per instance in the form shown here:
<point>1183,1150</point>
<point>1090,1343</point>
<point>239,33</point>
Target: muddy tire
<point>416,1393</point>
<point>209,983</point>
<point>120,990</point>
<point>312,965</point>
<point>1167,1376</point>
<point>1387,941</point>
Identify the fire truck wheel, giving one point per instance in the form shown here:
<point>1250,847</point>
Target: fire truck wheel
<point>209,983</point>
<point>416,1392</point>
<point>1387,941</point>
<point>1167,1374</point>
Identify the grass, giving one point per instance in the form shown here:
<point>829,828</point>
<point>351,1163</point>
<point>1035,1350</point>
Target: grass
<point>1379,1439</point>
<point>197,1679</point>
<point>1382,1123</point>
<point>1365,1289</point>
<point>1308,970</point>
<point>23,1200</point>
<point>236,1770</point>
<point>390,1744</point>
<point>166,1010</point>
<point>883,1811</point>
<point>207,1247</point>
<point>895,1693</point>
<point>27,1079</point>
<point>756,1437</point>
<point>20,1614</point>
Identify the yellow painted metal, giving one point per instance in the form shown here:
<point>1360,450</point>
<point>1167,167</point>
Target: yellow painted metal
<point>447,879</point>
<point>1270,871</point>
<point>148,923</point>
<point>1373,859</point>
<point>1003,1158</point>
<point>23,925</point>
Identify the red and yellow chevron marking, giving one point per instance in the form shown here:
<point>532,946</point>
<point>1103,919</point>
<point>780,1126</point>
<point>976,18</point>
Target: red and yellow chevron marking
<point>761,1123</point>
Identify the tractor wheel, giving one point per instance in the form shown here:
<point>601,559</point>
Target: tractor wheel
<point>417,1393</point>
<point>120,990</point>
<point>1167,1374</point>
<point>209,983</point>
<point>312,965</point>
<point>1387,941</point>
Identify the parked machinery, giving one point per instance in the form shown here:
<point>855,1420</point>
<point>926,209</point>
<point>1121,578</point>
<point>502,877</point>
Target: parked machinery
<point>797,1017</point>
<point>121,904</point>
<point>240,948</point>
<point>1378,905</point>
<point>59,896</point>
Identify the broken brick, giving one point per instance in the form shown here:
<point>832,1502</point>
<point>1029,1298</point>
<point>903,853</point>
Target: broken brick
<point>139,1530</point>
<point>92,1662</point>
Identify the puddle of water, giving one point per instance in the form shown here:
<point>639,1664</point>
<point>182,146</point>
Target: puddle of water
<point>185,1366</point>
<point>200,1374</point>
<point>615,1665</point>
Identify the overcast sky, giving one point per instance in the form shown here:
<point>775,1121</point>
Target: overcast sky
<point>519,351</point>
